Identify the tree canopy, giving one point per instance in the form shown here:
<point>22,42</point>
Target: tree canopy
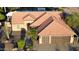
<point>1,10</point>
<point>2,16</point>
<point>73,20</point>
<point>13,8</point>
<point>32,33</point>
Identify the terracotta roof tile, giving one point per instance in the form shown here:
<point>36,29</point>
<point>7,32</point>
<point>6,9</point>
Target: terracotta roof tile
<point>44,17</point>
<point>18,17</point>
<point>40,20</point>
<point>56,29</point>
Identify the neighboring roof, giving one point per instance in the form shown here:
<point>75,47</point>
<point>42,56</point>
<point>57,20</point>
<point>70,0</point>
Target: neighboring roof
<point>56,29</point>
<point>18,17</point>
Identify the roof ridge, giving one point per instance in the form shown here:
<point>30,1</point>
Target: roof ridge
<point>47,26</point>
<point>41,15</point>
<point>29,15</point>
<point>58,23</point>
<point>45,14</point>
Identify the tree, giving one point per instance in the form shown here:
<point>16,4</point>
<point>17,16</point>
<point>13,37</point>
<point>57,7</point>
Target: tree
<point>1,10</point>
<point>2,15</point>
<point>12,8</point>
<point>73,20</point>
<point>32,33</point>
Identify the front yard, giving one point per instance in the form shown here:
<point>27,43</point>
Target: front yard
<point>30,42</point>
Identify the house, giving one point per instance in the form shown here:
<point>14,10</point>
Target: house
<point>49,25</point>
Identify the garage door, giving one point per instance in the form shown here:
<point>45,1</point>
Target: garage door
<point>56,40</point>
<point>60,40</point>
<point>45,40</point>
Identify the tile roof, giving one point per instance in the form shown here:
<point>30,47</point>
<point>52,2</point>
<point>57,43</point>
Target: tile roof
<point>48,23</point>
<point>45,24</point>
<point>18,17</point>
<point>44,17</point>
<point>56,29</point>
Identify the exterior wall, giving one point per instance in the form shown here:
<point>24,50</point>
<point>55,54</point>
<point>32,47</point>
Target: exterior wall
<point>54,39</point>
<point>72,39</point>
<point>17,27</point>
<point>25,24</point>
<point>44,40</point>
<point>28,21</point>
<point>49,39</point>
<point>40,40</point>
<point>8,24</point>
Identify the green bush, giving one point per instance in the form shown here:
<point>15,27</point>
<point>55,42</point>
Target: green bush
<point>73,20</point>
<point>21,43</point>
<point>1,10</point>
<point>2,17</point>
<point>32,33</point>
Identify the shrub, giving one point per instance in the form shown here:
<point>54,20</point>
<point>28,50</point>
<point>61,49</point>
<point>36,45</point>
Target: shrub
<point>21,43</point>
<point>2,17</point>
<point>73,20</point>
<point>32,33</point>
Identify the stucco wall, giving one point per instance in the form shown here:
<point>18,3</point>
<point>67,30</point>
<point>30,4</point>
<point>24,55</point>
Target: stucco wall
<point>8,24</point>
<point>51,39</point>
<point>17,27</point>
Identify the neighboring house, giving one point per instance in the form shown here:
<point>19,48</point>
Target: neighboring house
<point>49,24</point>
